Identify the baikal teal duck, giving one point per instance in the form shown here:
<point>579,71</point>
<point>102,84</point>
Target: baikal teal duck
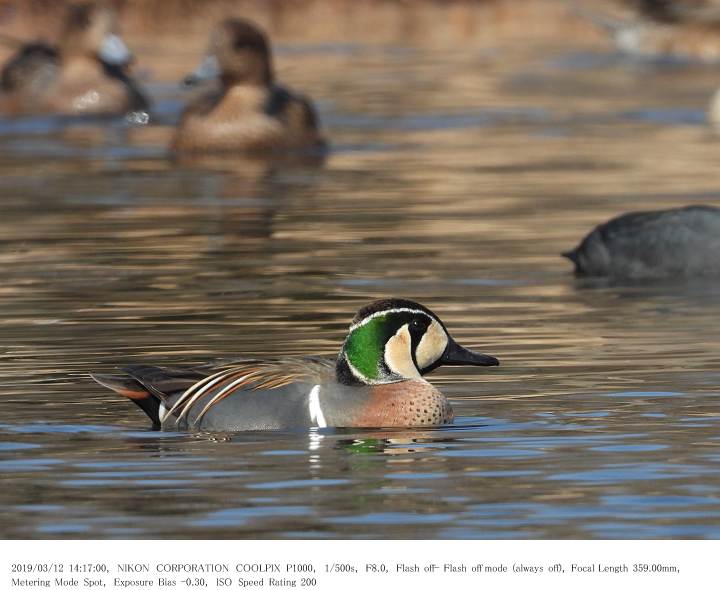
<point>377,381</point>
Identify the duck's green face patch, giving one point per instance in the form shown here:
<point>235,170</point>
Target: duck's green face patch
<point>365,346</point>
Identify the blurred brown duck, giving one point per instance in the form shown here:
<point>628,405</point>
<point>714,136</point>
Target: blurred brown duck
<point>84,74</point>
<point>246,110</point>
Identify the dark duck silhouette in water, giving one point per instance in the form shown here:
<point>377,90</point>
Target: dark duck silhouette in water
<point>682,242</point>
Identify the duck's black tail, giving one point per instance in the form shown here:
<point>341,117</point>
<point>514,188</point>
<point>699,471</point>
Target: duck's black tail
<point>131,388</point>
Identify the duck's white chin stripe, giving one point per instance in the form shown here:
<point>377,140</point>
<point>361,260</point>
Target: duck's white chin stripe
<point>316,414</point>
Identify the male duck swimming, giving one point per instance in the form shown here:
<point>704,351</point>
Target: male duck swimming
<point>377,381</point>
<point>246,110</point>
<point>85,74</point>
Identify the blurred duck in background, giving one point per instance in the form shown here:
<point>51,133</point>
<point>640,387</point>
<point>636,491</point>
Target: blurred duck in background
<point>678,243</point>
<point>698,19</point>
<point>245,110</point>
<point>678,11</point>
<point>657,29</point>
<point>86,73</point>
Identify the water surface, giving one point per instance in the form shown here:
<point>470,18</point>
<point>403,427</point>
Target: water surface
<point>455,178</point>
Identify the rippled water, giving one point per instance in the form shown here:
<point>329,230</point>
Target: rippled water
<point>455,178</point>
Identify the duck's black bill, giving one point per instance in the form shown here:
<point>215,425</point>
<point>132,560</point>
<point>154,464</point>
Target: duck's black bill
<point>458,355</point>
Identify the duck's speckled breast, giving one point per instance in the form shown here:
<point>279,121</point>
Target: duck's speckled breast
<point>411,403</point>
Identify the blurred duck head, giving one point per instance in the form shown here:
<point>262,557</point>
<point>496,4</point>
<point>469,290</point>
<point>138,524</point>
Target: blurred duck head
<point>239,53</point>
<point>91,30</point>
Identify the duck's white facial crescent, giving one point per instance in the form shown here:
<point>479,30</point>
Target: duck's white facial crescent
<point>398,350</point>
<point>432,345</point>
<point>398,354</point>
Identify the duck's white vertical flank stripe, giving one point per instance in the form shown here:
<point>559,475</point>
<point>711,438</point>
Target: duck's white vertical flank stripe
<point>161,412</point>
<point>316,413</point>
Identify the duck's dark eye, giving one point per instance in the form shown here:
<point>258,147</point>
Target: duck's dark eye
<point>416,325</point>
